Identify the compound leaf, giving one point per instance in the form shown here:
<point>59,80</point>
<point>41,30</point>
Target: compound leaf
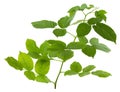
<point>44,24</point>
<point>101,73</point>
<point>30,75</point>
<point>42,65</point>
<point>25,60</point>
<point>14,63</point>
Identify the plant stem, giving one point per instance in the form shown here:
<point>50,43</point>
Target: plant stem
<point>71,34</point>
<point>55,83</point>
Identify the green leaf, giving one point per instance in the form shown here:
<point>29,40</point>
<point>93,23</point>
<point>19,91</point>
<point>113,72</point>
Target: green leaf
<point>76,67</point>
<point>42,65</point>
<point>30,75</point>
<point>70,72</point>
<point>25,60</point>
<point>101,14</point>
<point>65,55</point>
<point>75,45</point>
<point>56,45</point>
<point>42,78</point>
<point>105,31</point>
<point>84,74</point>
<point>44,48</point>
<point>83,40</point>
<point>94,21</point>
<point>14,63</point>
<point>44,24</point>
<point>89,68</point>
<point>31,46</point>
<point>83,29</point>
<point>101,73</point>
<point>34,55</point>
<point>89,50</point>
<point>59,32</point>
<point>64,22</point>
<point>99,46</point>
<point>74,9</point>
<point>90,6</point>
<point>83,6</point>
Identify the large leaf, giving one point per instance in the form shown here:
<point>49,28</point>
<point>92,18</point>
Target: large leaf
<point>44,24</point>
<point>83,29</point>
<point>59,32</point>
<point>76,67</point>
<point>89,50</point>
<point>89,68</point>
<point>101,73</point>
<point>30,75</point>
<point>31,46</point>
<point>70,72</point>
<point>99,46</point>
<point>42,65</point>
<point>75,45</point>
<point>64,22</point>
<point>105,31</point>
<point>25,60</point>
<point>14,63</point>
<point>94,21</point>
<point>65,55</point>
<point>42,78</point>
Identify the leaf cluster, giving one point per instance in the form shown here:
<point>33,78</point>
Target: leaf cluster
<point>36,62</point>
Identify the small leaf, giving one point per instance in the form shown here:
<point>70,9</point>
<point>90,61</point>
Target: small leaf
<point>83,6</point>
<point>34,55</point>
<point>64,22</point>
<point>83,40</point>
<point>42,78</point>
<point>65,55</point>
<point>74,9</point>
<point>101,73</point>
<point>99,46</point>
<point>89,51</point>
<point>105,31</point>
<point>31,46</point>
<point>44,48</point>
<point>44,24</point>
<point>56,44</point>
<point>94,21</point>
<point>84,74</point>
<point>14,63</point>
<point>89,68</point>
<point>42,65</point>
<point>75,45</point>
<point>94,41</point>
<point>25,60</point>
<point>70,72</point>
<point>30,75</point>
<point>83,29</point>
<point>59,32</point>
<point>76,67</point>
<point>101,14</point>
<point>90,6</point>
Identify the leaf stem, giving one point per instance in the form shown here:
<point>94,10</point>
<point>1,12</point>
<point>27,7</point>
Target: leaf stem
<point>55,83</point>
<point>71,34</point>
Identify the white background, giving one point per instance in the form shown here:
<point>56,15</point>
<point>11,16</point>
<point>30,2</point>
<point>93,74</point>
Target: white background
<point>15,27</point>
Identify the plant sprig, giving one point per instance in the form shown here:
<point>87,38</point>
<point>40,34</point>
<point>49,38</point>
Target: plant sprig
<point>57,50</point>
